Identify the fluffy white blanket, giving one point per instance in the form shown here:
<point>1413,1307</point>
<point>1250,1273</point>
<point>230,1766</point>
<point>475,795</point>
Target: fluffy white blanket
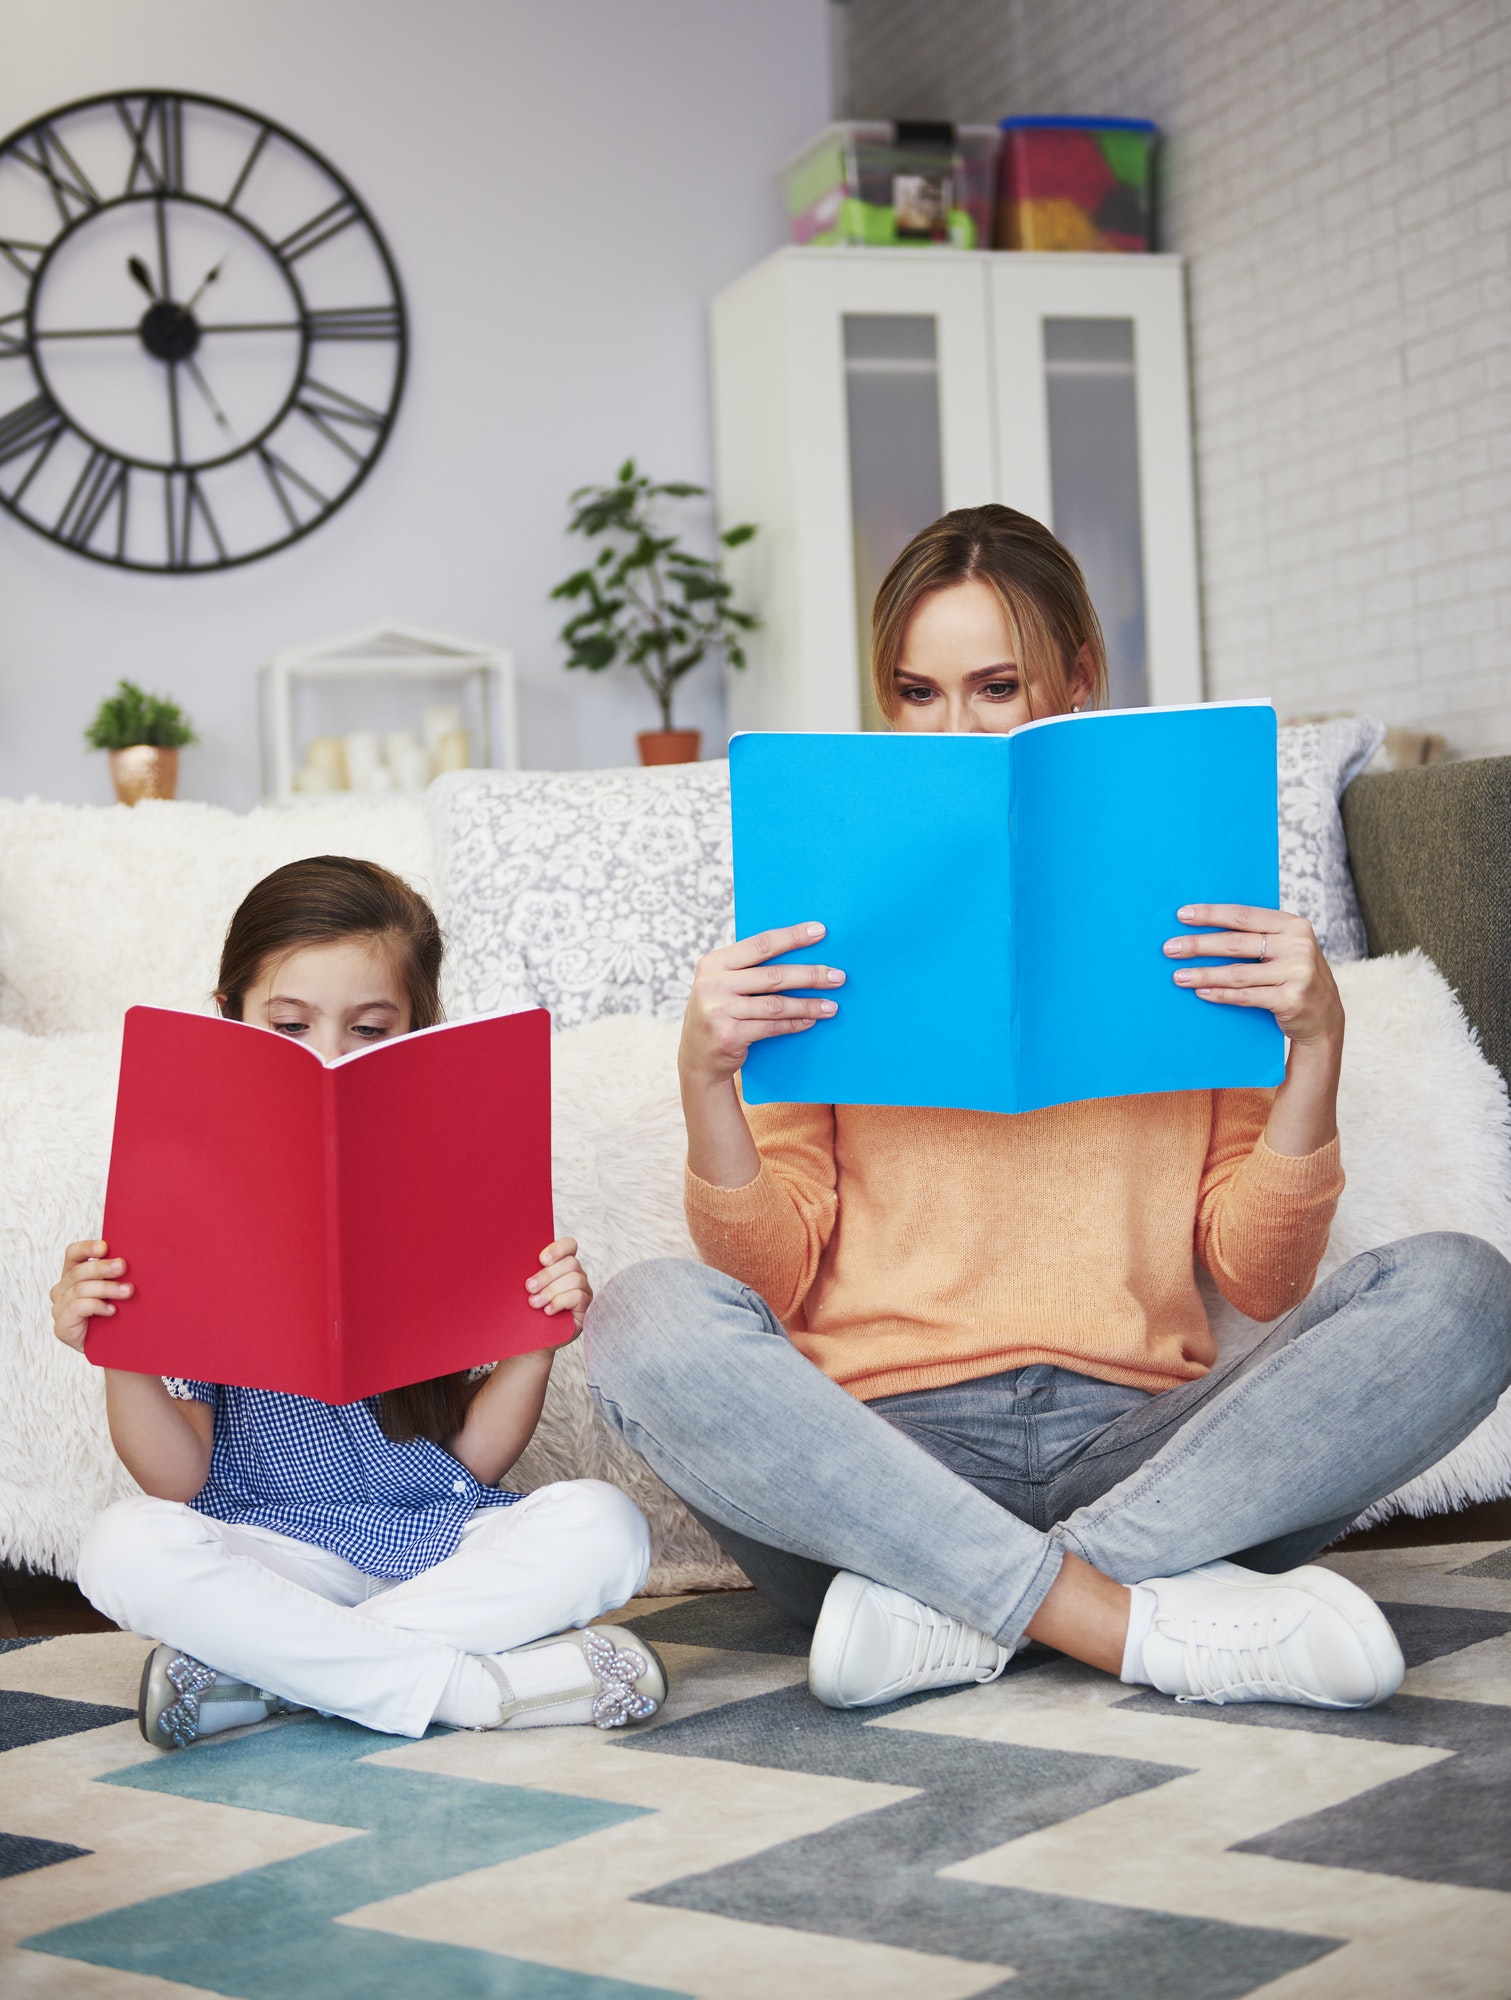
<point>1427,1143</point>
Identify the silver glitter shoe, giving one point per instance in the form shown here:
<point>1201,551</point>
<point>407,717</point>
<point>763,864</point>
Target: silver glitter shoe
<point>610,1683</point>
<point>176,1691</point>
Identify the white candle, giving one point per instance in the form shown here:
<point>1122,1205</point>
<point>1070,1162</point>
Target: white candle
<point>364,760</point>
<point>453,751</point>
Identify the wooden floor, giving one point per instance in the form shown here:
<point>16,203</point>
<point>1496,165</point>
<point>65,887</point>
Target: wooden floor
<point>36,1606</point>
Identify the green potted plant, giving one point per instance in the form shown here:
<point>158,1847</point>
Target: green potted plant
<point>143,734</point>
<point>647,601</point>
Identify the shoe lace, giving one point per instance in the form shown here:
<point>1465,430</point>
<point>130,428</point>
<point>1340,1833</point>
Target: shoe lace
<point>946,1645</point>
<point>1227,1658</point>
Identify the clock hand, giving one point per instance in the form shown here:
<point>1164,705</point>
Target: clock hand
<point>139,271</point>
<point>208,280</point>
<point>204,389</point>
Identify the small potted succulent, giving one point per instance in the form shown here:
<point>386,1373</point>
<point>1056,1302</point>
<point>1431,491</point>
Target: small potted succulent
<point>143,734</point>
<point>648,601</point>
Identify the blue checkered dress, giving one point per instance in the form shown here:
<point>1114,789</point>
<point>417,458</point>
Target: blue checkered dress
<point>325,1473</point>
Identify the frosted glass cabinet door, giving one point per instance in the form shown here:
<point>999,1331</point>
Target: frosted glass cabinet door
<point>1093,437</point>
<point>892,425</point>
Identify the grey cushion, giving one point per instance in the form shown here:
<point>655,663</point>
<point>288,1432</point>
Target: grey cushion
<point>1430,851</point>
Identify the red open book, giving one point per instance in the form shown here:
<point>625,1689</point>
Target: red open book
<point>329,1231</point>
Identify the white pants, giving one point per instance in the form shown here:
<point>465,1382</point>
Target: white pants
<point>307,1625</point>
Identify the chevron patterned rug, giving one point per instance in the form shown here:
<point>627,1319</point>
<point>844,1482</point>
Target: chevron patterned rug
<point>1054,1836</point>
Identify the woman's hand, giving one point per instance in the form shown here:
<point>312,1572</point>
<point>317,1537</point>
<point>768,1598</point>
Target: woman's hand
<point>1279,966</point>
<point>89,1282</point>
<point>737,999</point>
<point>562,1286</point>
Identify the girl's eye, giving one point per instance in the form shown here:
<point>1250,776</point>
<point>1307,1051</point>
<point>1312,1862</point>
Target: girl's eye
<point>290,1027</point>
<point>369,1032</point>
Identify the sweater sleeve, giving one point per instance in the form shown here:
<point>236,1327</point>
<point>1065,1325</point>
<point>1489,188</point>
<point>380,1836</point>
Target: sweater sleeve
<point>771,1233</point>
<point>1262,1218</point>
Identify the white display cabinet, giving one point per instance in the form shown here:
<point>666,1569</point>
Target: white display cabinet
<point>380,683</point>
<point>860,394</point>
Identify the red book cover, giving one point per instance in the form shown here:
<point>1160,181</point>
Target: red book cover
<point>331,1231</point>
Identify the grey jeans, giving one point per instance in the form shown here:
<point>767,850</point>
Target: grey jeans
<point>968,1497</point>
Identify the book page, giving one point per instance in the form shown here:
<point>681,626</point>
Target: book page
<point>899,844</point>
<point>217,1203</point>
<point>1121,818</point>
<point>443,1190</point>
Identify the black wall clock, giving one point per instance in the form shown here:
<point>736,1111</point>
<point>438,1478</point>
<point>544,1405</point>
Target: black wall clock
<point>202,334</point>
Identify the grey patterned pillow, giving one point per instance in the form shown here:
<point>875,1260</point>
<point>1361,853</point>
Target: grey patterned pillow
<point>587,892</point>
<point>1316,761</point>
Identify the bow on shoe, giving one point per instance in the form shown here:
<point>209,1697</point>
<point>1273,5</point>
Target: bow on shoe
<point>180,1719</point>
<point>618,1700</point>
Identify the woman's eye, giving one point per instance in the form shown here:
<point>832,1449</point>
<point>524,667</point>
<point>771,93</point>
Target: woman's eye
<point>1000,690</point>
<point>917,695</point>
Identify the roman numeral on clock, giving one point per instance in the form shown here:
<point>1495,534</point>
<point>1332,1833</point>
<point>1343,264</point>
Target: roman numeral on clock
<point>185,502</point>
<point>354,323</point>
<point>104,482</point>
<point>319,229</point>
<point>31,427</point>
<point>328,408</point>
<point>157,132</point>
<point>72,190</point>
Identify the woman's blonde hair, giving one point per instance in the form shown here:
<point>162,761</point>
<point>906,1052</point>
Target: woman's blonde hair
<point>1037,581</point>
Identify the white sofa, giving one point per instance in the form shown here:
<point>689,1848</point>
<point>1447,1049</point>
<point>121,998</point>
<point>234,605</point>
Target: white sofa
<point>593,893</point>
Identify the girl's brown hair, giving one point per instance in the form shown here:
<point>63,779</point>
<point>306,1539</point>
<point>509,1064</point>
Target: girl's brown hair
<point>1037,581</point>
<point>327,900</point>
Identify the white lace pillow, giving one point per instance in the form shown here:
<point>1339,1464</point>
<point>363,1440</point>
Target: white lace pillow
<point>1316,761</point>
<point>587,892</point>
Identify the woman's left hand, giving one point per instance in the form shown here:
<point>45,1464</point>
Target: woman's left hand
<point>562,1286</point>
<point>1279,966</point>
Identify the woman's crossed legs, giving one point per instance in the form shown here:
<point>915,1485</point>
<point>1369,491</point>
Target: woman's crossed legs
<point>1373,1378</point>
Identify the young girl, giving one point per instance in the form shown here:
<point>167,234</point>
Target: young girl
<point>358,1559</point>
<point>946,1380</point>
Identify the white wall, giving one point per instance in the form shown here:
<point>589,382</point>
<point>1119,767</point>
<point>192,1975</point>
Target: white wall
<point>1339,176</point>
<point>563,183</point>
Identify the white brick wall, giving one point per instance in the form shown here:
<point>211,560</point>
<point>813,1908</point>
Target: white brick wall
<point>1338,173</point>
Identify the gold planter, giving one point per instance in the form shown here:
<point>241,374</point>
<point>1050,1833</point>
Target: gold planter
<point>143,772</point>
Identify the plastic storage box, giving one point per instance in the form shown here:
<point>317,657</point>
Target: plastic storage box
<point>877,183</point>
<point>1075,184</point>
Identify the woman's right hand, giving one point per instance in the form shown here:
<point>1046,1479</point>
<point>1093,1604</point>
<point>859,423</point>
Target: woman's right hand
<point>738,998</point>
<point>89,1282</point>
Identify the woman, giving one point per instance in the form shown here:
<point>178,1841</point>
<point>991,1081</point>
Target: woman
<point>946,1382</point>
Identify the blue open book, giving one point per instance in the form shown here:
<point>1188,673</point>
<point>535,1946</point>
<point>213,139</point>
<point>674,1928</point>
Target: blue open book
<point>999,904</point>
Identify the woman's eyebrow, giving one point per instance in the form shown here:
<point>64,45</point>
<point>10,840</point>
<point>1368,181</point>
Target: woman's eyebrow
<point>993,673</point>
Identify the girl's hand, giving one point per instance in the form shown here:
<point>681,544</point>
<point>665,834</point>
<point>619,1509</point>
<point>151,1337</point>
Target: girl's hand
<point>1280,967</point>
<point>563,1285</point>
<point>89,1282</point>
<point>737,999</point>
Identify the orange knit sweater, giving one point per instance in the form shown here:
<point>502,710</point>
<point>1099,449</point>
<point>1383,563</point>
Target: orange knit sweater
<point>907,1249</point>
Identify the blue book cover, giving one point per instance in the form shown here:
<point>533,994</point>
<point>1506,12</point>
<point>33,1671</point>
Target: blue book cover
<point>999,904</point>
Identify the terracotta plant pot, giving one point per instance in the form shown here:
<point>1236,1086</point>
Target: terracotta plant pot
<point>669,746</point>
<point>143,772</point>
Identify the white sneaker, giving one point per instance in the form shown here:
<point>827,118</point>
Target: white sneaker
<point>872,1644</point>
<point>1224,1634</point>
<point>578,1677</point>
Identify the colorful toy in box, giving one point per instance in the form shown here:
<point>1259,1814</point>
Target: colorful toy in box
<point>882,183</point>
<point>1075,184</point>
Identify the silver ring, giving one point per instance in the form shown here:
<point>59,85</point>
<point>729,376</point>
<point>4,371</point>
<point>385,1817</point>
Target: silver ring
<point>1264,946</point>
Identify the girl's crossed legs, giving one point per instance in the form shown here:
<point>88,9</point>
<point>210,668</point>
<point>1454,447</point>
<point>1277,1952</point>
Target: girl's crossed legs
<point>307,1625</point>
